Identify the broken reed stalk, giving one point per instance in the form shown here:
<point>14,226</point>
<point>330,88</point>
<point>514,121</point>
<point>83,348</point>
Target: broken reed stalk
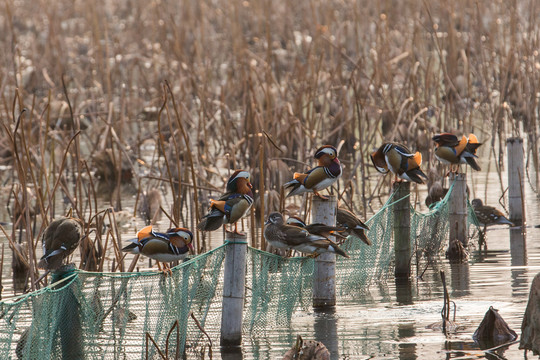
<point>177,327</point>
<point>116,241</point>
<point>22,180</point>
<point>161,143</point>
<point>445,312</point>
<point>190,156</point>
<point>261,190</point>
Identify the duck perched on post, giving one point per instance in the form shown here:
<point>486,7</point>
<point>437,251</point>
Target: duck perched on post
<point>453,151</point>
<point>232,205</point>
<point>398,159</point>
<point>60,239</point>
<point>283,236</point>
<point>326,173</point>
<point>163,247</point>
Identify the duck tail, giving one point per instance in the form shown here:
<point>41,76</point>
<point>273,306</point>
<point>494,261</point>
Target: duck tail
<point>339,251</point>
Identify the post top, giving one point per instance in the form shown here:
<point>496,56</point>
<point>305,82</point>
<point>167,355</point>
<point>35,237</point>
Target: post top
<point>330,198</point>
<point>514,139</point>
<point>235,238</point>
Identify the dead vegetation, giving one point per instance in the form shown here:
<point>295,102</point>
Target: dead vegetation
<point>102,100</point>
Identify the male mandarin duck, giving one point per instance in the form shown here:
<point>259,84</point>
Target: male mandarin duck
<point>326,173</point>
<point>453,151</point>
<point>232,205</point>
<point>162,247</point>
<point>352,224</point>
<point>317,228</point>
<point>398,159</point>
<point>60,239</point>
<point>282,236</point>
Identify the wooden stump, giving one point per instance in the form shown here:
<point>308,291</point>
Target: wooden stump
<point>307,350</point>
<point>402,230</point>
<point>530,326</point>
<point>516,180</point>
<point>493,330</point>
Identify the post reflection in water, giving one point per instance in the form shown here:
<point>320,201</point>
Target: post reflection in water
<point>232,353</point>
<point>518,253</point>
<point>407,351</point>
<point>326,330</point>
<point>461,280</point>
<point>404,291</point>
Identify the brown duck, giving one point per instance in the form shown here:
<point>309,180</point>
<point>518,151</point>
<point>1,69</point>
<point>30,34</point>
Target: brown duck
<point>317,228</point>
<point>60,239</point>
<point>352,224</point>
<point>280,235</point>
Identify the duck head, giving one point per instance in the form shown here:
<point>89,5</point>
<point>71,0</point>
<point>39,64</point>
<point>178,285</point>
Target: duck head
<point>326,154</point>
<point>275,218</point>
<point>180,237</point>
<point>239,182</point>
<point>378,159</point>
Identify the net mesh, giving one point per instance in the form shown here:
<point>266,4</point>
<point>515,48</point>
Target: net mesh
<point>85,315</point>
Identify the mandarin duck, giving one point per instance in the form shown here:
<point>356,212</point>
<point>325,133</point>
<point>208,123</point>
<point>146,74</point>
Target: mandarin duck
<point>436,193</point>
<point>282,236</point>
<point>162,247</point>
<point>60,239</point>
<point>488,215</point>
<point>232,205</point>
<point>317,228</point>
<point>326,173</point>
<point>398,159</point>
<point>352,224</point>
<point>453,151</point>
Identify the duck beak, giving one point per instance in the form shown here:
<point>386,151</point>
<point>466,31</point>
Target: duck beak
<point>336,160</point>
<point>249,184</point>
<point>190,247</point>
<point>267,222</point>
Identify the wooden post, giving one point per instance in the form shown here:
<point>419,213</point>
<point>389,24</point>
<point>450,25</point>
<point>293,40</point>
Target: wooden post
<point>402,230</point>
<point>516,180</point>
<point>457,209</point>
<point>324,275</point>
<point>233,290</point>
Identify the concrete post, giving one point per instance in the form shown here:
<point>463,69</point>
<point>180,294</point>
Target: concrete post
<point>324,276</point>
<point>233,290</point>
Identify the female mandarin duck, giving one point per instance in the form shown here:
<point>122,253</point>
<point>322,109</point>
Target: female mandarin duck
<point>450,150</point>
<point>352,224</point>
<point>326,173</point>
<point>60,239</point>
<point>317,228</point>
<point>162,247</point>
<point>398,159</point>
<point>283,236</point>
<point>488,215</point>
<point>232,206</point>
